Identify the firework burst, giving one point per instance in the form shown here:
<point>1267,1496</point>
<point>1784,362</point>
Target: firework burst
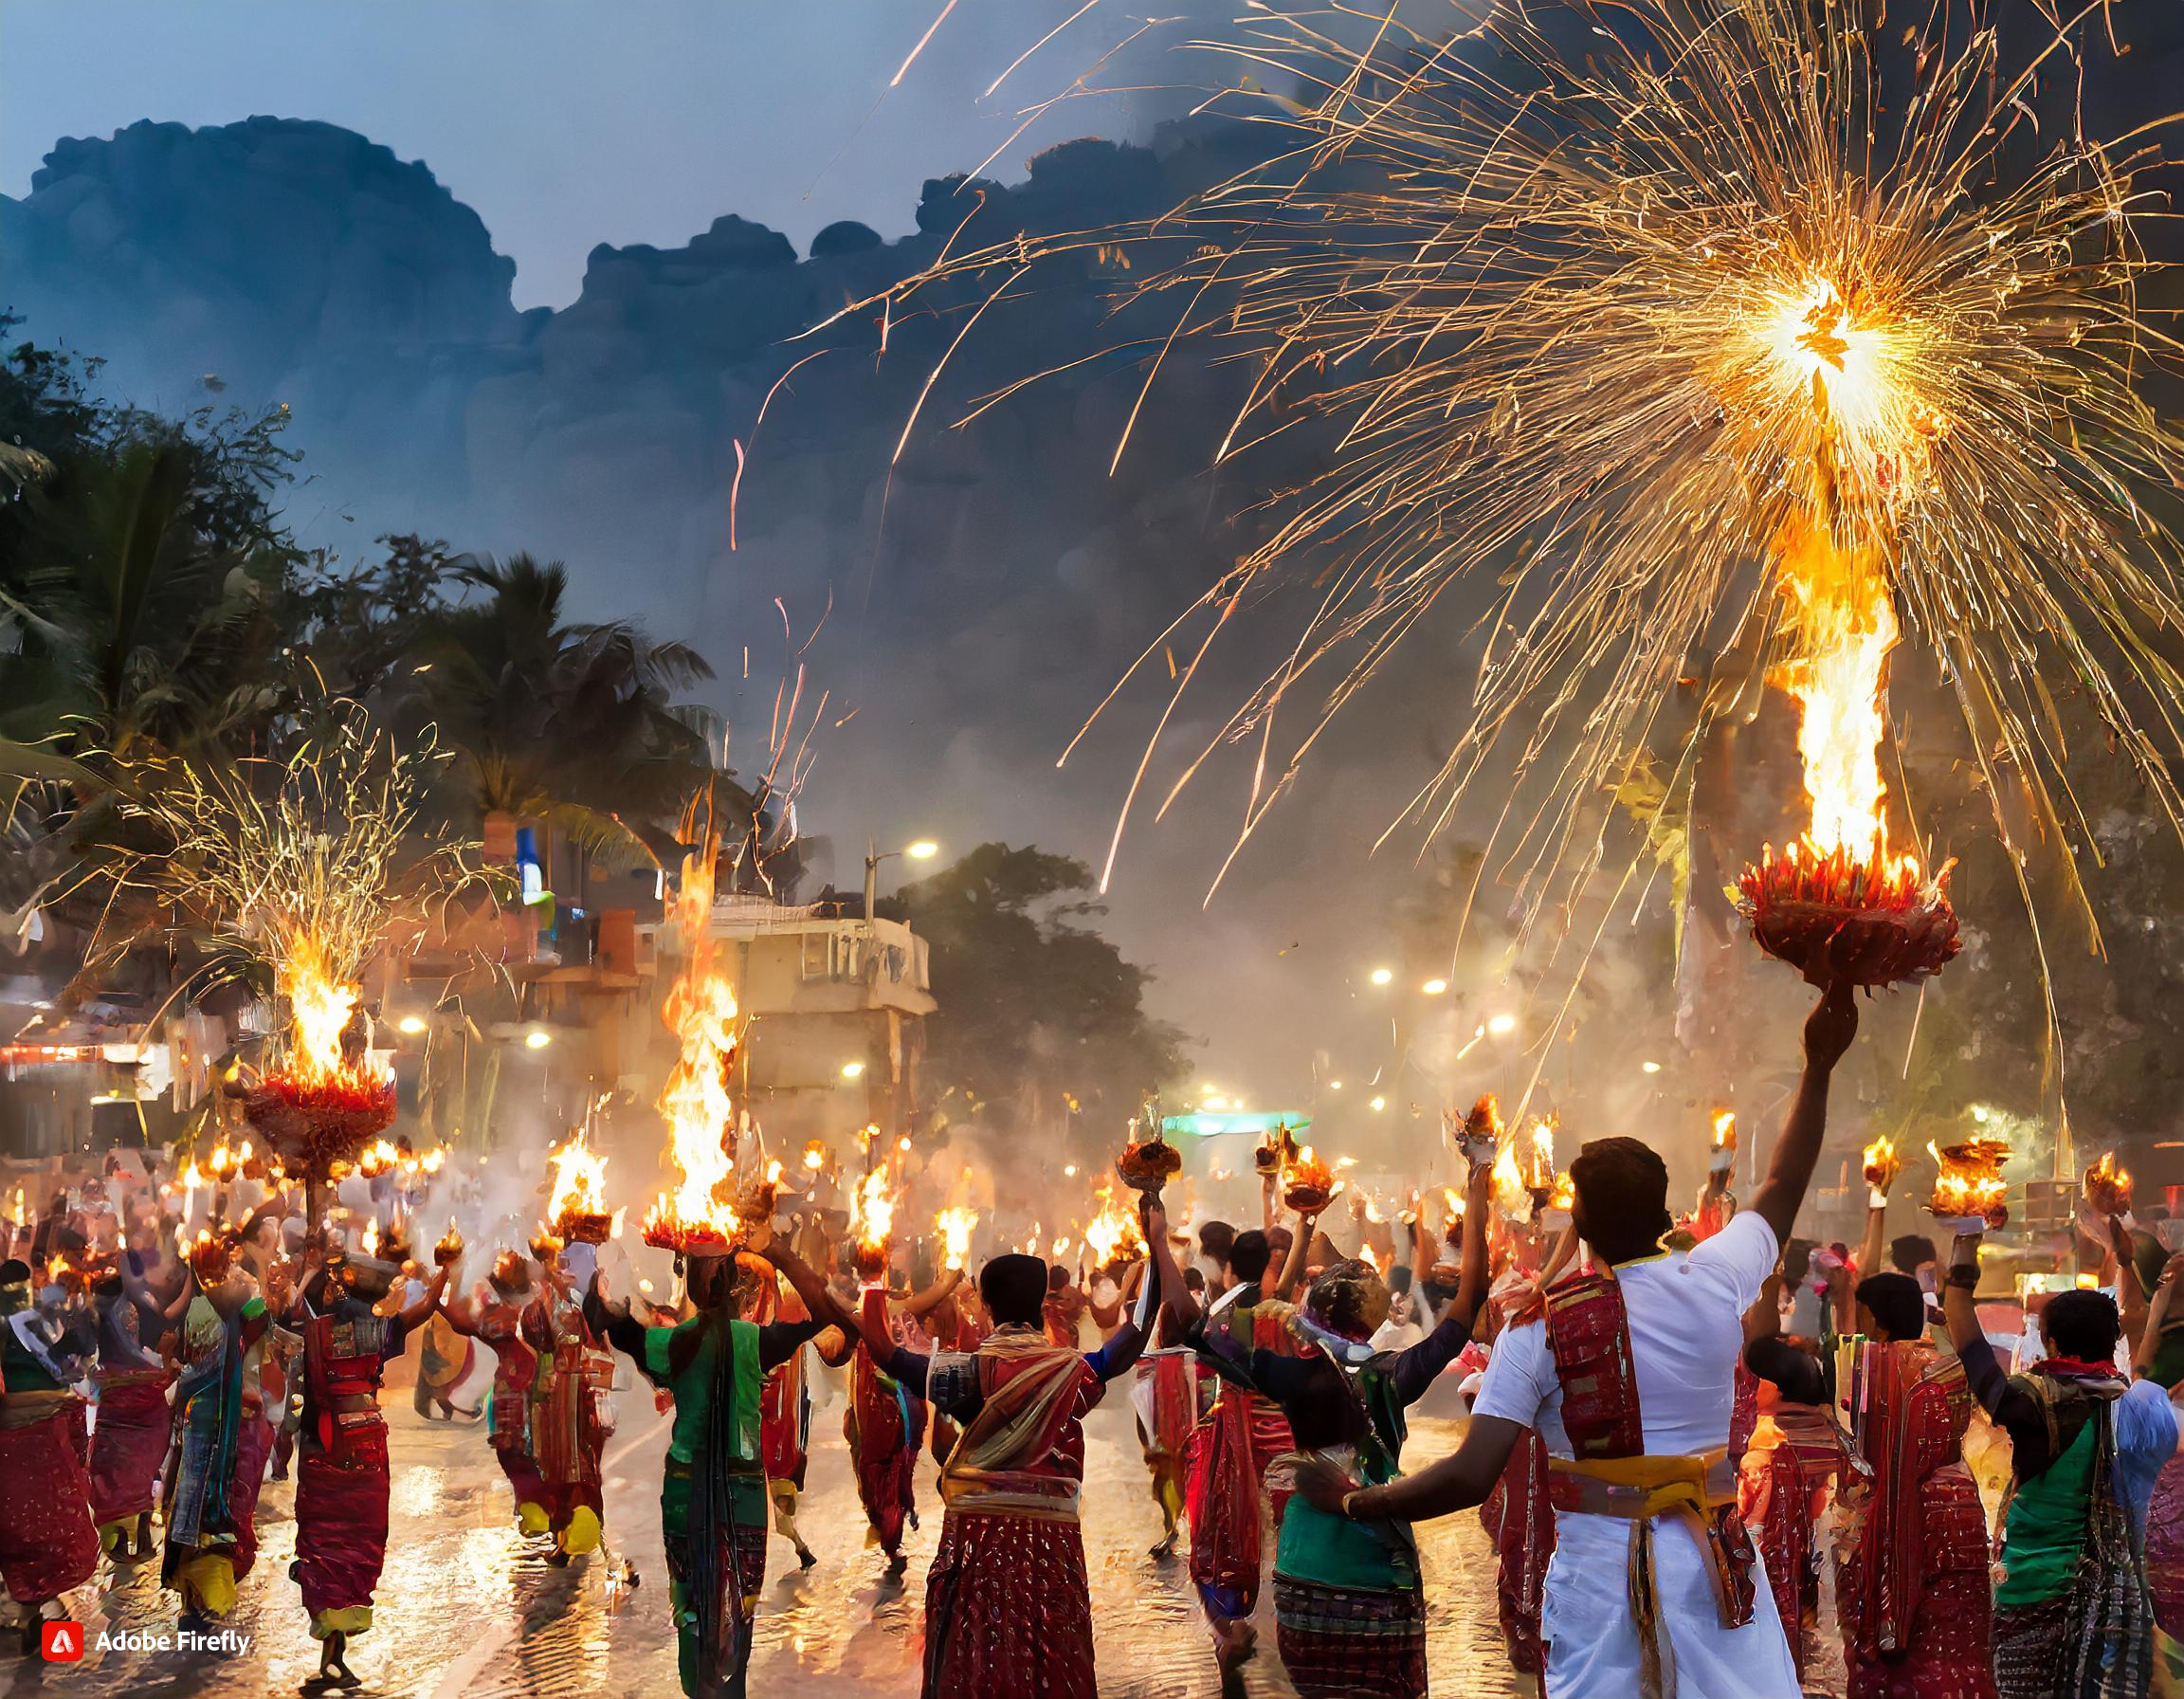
<point>1749,326</point>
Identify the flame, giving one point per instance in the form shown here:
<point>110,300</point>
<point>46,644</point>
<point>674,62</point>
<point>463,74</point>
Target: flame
<point>579,1180</point>
<point>371,1240</point>
<point>872,1211</point>
<point>1113,1231</point>
<point>432,1161</point>
<point>2108,1185</point>
<point>377,1159</point>
<point>701,1012</point>
<point>1968,1179</point>
<point>1563,1194</point>
<point>1510,1192</point>
<point>1061,1246</point>
<point>954,1225</point>
<point>1539,1170</point>
<point>1840,618</point>
<point>1726,1129</point>
<point>319,1007</point>
<point>816,1156</point>
<point>773,1172</point>
<point>1882,1163</point>
<point>1453,1205</point>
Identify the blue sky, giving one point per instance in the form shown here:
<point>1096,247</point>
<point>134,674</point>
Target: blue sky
<point>567,124</point>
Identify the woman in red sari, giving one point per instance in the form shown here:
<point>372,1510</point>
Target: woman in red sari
<point>1915,1596</point>
<point>341,1478</point>
<point>1786,1460</point>
<point>1008,1604</point>
<point>498,1320</point>
<point>129,1441</point>
<point>47,1541</point>
<point>885,1421</point>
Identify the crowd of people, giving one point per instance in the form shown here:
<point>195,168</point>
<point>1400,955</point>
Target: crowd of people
<point>1679,1430</point>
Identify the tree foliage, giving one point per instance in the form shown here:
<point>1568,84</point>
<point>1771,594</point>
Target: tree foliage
<point>1041,1018</point>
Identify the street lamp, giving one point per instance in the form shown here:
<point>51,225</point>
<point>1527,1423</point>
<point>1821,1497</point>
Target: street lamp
<point>852,1071</point>
<point>922,850</point>
<point>1383,975</point>
<point>411,1024</point>
<point>1434,988</point>
<point>1501,1025</point>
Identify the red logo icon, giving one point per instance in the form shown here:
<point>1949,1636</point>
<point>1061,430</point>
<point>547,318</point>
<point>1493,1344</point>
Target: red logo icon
<point>62,1642</point>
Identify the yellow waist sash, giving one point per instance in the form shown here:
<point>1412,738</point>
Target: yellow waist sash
<point>1638,1489</point>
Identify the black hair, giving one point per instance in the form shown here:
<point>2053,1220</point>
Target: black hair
<point>1794,1373</point>
<point>1014,1287</point>
<point>1248,1254</point>
<point>2084,1324</point>
<point>1621,1196</point>
<point>1898,1302</point>
<point>1214,1238</point>
<point>1400,1278</point>
<point>1911,1252</point>
<point>1194,1279</point>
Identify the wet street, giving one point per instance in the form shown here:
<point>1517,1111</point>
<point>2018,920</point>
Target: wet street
<point>462,1609</point>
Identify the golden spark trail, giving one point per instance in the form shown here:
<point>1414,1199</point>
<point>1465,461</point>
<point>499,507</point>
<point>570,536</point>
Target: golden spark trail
<point>1683,328</point>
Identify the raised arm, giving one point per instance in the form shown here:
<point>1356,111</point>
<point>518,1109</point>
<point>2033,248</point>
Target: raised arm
<point>1471,1272</point>
<point>918,1304</point>
<point>1299,1254</point>
<point>819,1299</point>
<point>1982,1374</point>
<point>2156,1314</point>
<point>435,1290</point>
<point>1827,1034</point>
<point>1460,1481</point>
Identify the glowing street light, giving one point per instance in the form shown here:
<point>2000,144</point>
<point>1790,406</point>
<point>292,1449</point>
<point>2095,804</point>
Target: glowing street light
<point>1501,1025</point>
<point>851,1071</point>
<point>917,849</point>
<point>1649,1067</point>
<point>1379,1103</point>
<point>536,1039</point>
<point>411,1024</point>
<point>1383,975</point>
<point>1334,1085</point>
<point>1434,988</point>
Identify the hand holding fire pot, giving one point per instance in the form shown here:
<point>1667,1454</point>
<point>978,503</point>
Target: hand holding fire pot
<point>1831,1026</point>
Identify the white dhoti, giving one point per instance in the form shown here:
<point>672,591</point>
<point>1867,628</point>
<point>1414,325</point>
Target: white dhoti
<point>1592,1650</point>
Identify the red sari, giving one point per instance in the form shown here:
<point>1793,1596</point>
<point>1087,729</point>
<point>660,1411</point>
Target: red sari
<point>569,1428</point>
<point>883,1426</point>
<point>1007,1601</point>
<point>508,1406</point>
<point>128,1442</point>
<point>49,1543</point>
<point>1915,1598</point>
<point>1231,1454</point>
<point>341,1475</point>
<point>1521,1525</point>
<point>1792,1455</point>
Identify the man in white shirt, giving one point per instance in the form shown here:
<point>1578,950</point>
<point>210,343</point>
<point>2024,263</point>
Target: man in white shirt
<point>1652,1589</point>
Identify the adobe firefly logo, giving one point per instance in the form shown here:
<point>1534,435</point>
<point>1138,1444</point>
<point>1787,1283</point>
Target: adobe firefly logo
<point>62,1642</point>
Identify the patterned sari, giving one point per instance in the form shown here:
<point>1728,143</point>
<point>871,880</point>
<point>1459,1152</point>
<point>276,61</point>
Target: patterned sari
<point>1915,1597</point>
<point>1008,1603</point>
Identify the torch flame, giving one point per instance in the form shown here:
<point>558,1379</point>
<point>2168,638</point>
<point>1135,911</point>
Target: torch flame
<point>1113,1231</point>
<point>1726,1129</point>
<point>873,1211</point>
<point>954,1226</point>
<point>1968,1179</point>
<point>1882,1163</point>
<point>701,1012</point>
<point>814,1156</point>
<point>579,1180</point>
<point>2108,1185</point>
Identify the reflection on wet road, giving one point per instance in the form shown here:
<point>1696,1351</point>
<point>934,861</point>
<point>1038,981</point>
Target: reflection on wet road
<point>464,1610</point>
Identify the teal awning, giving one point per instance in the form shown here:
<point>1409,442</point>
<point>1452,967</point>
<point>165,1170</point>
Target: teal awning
<point>1205,1124</point>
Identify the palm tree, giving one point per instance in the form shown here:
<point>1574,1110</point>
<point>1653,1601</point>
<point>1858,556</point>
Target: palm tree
<point>574,726</point>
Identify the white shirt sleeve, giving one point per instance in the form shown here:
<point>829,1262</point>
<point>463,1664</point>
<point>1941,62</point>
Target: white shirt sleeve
<point>1740,1257</point>
<point>1520,1375</point>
